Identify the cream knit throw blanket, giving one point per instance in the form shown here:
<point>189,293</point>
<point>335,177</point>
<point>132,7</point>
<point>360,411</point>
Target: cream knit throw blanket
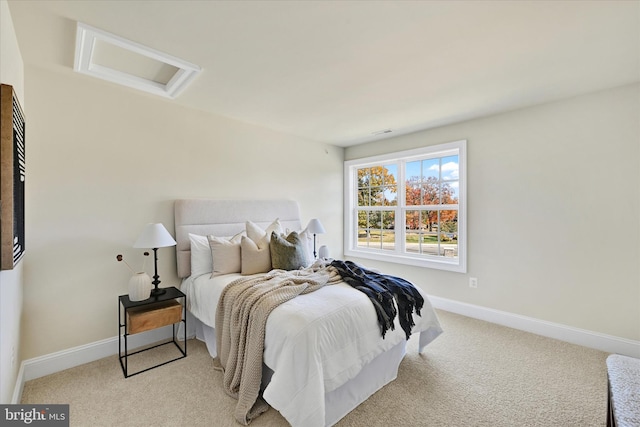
<point>241,318</point>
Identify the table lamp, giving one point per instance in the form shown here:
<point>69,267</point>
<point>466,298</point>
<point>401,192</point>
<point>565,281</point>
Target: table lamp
<point>315,227</point>
<point>155,236</point>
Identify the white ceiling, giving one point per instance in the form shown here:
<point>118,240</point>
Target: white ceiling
<point>338,71</point>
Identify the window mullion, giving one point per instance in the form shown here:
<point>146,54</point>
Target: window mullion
<point>419,162</point>
<point>400,235</point>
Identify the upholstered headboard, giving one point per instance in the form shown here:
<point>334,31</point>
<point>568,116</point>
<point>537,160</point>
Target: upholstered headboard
<point>226,218</point>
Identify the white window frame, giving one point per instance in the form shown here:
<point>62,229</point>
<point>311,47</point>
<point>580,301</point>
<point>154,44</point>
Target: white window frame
<point>398,254</point>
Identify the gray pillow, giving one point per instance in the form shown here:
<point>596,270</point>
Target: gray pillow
<point>287,253</point>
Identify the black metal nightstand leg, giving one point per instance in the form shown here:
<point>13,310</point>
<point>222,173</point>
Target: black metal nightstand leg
<point>157,304</point>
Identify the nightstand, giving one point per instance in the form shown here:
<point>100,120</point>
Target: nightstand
<point>155,312</point>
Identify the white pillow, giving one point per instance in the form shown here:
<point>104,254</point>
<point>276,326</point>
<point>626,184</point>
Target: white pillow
<point>254,258</point>
<point>261,237</point>
<point>225,254</point>
<point>307,238</point>
<point>200,255</point>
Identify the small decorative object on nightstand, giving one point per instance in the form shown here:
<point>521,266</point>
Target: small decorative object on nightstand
<point>323,252</point>
<point>315,227</point>
<point>139,286</point>
<point>155,236</point>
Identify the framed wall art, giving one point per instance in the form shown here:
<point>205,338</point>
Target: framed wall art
<point>12,178</point>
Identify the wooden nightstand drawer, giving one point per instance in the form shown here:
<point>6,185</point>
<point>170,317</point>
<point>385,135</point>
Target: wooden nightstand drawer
<point>163,309</point>
<point>147,317</point>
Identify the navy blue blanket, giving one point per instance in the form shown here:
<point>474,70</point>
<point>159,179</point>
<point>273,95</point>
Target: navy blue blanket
<point>382,290</point>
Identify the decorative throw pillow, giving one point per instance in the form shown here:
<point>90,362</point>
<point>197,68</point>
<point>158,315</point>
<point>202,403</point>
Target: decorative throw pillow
<point>257,258</point>
<point>254,258</point>
<point>287,253</point>
<point>259,236</point>
<point>307,242</point>
<point>200,255</point>
<point>225,254</point>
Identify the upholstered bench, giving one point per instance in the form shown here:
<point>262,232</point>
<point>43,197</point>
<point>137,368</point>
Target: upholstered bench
<point>624,391</point>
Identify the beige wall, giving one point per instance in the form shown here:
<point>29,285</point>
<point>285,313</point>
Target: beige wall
<point>11,281</point>
<point>104,161</point>
<point>554,212</point>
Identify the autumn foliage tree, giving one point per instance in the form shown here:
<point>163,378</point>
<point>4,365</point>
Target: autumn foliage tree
<point>376,183</point>
<point>372,184</point>
<point>429,192</point>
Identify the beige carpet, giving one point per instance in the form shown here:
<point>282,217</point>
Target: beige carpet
<point>475,374</point>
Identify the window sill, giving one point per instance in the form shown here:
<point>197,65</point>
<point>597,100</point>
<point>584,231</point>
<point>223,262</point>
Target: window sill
<point>438,263</point>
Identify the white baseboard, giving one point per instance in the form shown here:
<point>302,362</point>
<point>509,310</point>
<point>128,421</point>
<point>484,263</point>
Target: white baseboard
<point>59,361</point>
<point>65,359</point>
<point>603,342</point>
<point>19,386</point>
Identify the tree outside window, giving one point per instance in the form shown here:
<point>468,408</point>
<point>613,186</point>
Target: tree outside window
<point>409,207</point>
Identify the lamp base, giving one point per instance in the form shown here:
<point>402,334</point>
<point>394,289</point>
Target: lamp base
<point>158,291</point>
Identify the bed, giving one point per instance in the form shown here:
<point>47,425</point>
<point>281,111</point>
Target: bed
<point>314,373</point>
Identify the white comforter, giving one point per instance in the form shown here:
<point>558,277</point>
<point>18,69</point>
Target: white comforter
<point>314,343</point>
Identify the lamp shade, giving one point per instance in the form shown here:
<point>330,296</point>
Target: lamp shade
<point>315,227</point>
<point>154,236</point>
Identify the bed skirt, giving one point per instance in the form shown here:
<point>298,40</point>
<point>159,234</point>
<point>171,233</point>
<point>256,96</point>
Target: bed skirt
<point>376,374</point>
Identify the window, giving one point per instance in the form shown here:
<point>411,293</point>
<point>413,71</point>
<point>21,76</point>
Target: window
<point>408,207</point>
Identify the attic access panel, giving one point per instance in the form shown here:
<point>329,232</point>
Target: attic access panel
<point>118,60</point>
